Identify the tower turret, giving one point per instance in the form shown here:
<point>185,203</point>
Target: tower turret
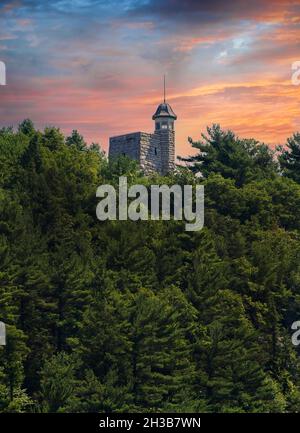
<point>164,118</point>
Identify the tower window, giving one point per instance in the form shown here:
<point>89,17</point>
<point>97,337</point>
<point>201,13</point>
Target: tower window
<point>164,125</point>
<point>155,150</point>
<point>157,125</point>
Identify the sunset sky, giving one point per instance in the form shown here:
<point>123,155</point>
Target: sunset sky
<point>97,66</point>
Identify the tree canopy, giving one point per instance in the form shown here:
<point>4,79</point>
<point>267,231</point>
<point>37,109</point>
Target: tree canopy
<point>143,316</point>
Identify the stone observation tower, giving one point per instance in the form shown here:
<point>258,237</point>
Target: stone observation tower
<point>155,152</point>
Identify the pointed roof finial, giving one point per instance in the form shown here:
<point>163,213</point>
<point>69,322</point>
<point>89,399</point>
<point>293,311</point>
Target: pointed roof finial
<point>164,109</point>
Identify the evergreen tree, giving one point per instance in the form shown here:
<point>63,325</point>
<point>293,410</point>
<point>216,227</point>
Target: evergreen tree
<point>77,140</point>
<point>27,127</point>
<point>224,153</point>
<point>58,381</point>
<point>143,316</point>
<point>289,158</point>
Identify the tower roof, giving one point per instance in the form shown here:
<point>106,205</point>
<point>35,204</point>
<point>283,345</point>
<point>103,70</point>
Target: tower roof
<point>164,110</point>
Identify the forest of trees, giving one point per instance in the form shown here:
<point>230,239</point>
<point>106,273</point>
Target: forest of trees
<point>123,316</point>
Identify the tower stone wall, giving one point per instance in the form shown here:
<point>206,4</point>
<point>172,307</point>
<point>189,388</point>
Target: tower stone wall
<point>127,145</point>
<point>166,139</point>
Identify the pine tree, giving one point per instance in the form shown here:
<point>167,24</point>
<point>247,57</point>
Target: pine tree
<point>289,158</point>
<point>223,153</point>
<point>58,381</point>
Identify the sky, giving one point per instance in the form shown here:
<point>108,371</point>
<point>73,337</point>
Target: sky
<point>97,66</point>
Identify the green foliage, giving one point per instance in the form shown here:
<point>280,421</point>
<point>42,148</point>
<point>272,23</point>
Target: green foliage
<point>27,127</point>
<point>289,158</point>
<point>223,153</point>
<point>58,382</point>
<point>76,140</point>
<point>143,316</point>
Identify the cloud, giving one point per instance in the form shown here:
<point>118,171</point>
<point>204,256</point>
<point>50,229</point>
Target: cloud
<point>97,65</point>
<point>215,11</point>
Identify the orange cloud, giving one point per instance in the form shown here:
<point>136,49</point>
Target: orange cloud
<point>265,109</point>
<point>104,78</point>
